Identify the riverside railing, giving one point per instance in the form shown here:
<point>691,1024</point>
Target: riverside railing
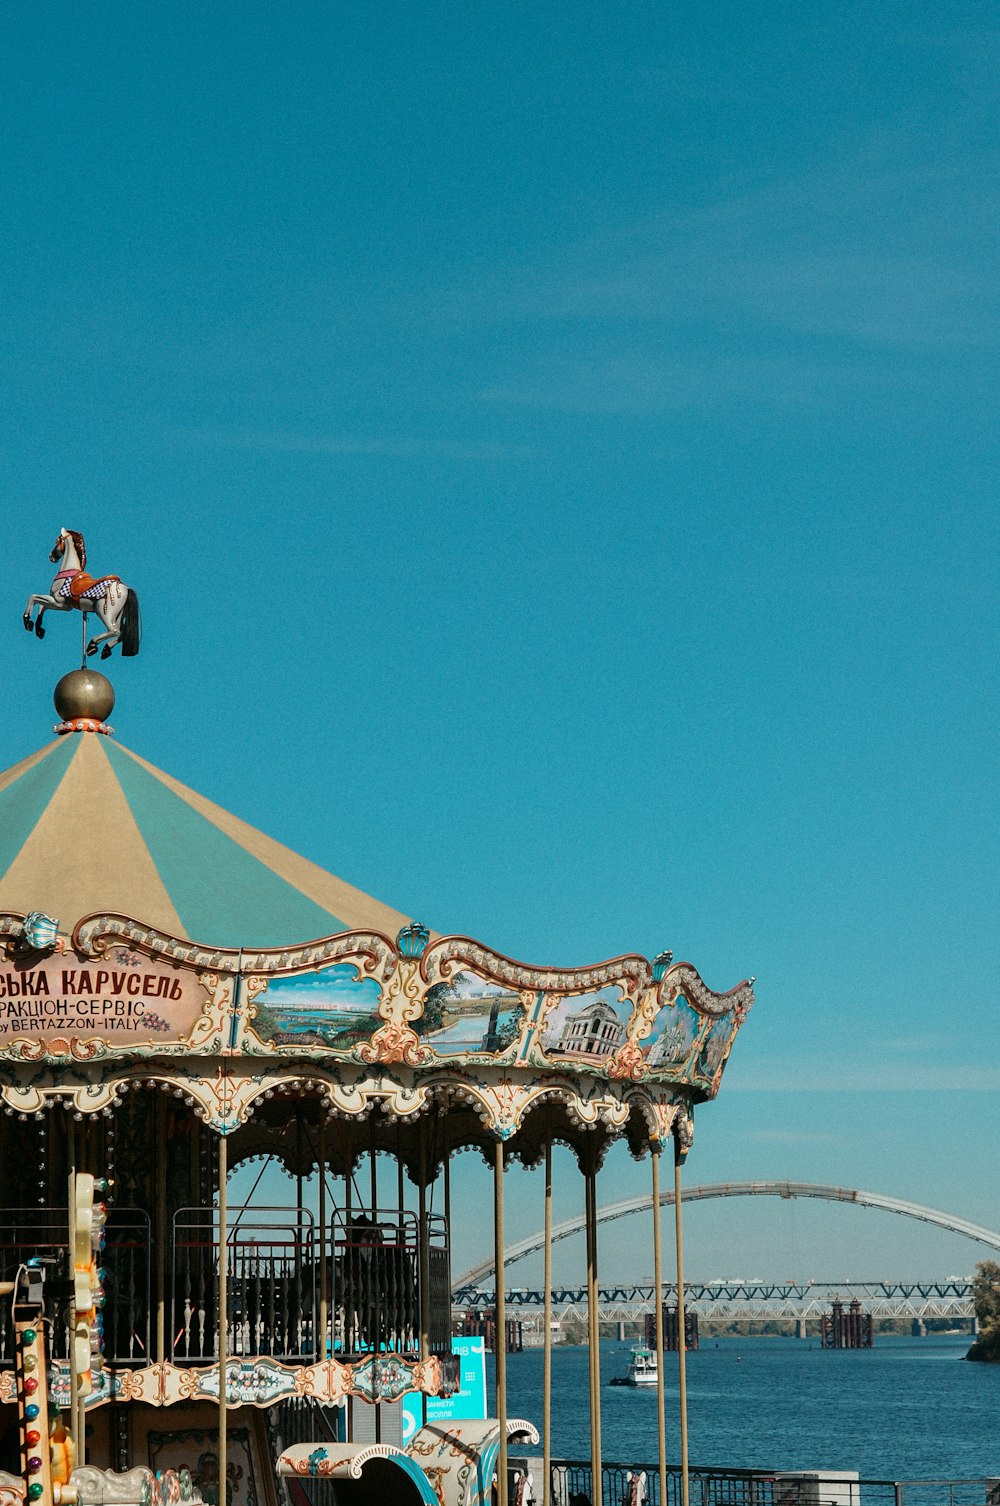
<point>639,1485</point>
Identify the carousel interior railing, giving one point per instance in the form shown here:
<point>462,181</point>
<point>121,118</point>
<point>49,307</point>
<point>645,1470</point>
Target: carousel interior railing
<point>127,1287</point>
<point>375,1284</point>
<point>41,1233</point>
<point>271,1278</point>
<point>27,1234</point>
<point>278,1264</point>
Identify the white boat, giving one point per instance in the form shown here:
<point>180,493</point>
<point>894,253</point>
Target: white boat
<point>640,1370</point>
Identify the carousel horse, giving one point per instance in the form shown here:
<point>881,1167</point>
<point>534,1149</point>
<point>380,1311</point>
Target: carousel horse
<point>116,604</point>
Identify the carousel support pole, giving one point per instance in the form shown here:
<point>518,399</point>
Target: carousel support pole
<point>500,1341</point>
<point>349,1256</point>
<point>300,1154</point>
<point>377,1294</point>
<point>681,1327</point>
<point>593,1332</point>
<point>160,1226</point>
<point>424,1258</point>
<point>447,1182</point>
<point>223,1312</point>
<point>547,1336</point>
<point>373,1163</point>
<point>324,1269</point>
<point>400,1189</point>
<point>661,1421</point>
<point>300,1208</point>
<point>446,1154</point>
<point>348,1177</point>
<point>76,1412</point>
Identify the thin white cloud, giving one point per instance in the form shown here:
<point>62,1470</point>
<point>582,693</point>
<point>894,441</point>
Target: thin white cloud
<point>864,273</point>
<point>289,442</point>
<point>877,1077</point>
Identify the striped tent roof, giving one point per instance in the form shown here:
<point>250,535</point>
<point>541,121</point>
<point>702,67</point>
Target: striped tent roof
<point>87,826</point>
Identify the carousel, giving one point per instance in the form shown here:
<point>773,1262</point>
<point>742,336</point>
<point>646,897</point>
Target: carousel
<point>182,999</point>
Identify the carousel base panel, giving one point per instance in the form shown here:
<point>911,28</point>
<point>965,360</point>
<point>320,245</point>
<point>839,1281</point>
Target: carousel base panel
<point>141,1438</point>
<point>446,1464</point>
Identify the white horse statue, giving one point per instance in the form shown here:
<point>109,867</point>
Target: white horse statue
<point>116,604</point>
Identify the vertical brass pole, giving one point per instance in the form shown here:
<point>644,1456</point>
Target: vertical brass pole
<point>378,1295</point>
<point>681,1328</point>
<point>348,1240</point>
<point>348,1176</point>
<point>300,1156</point>
<point>201,1188</point>
<point>423,1258</point>
<point>425,1295</point>
<point>223,1312</point>
<point>446,1153</point>
<point>500,1341</point>
<point>661,1419</point>
<point>324,1268</point>
<point>373,1166</point>
<point>160,1225</point>
<point>547,1335</point>
<point>76,1410</point>
<point>593,1334</point>
<point>423,1255</point>
<point>447,1184</point>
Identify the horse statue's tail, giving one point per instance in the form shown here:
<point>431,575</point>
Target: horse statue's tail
<point>131,625</point>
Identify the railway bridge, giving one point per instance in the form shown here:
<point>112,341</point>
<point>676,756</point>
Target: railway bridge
<point>739,1299</point>
<point>732,1301</point>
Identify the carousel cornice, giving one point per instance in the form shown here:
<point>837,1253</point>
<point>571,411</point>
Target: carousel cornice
<point>365,1023</point>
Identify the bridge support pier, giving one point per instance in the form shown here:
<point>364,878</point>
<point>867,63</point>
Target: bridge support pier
<point>800,1328</point>
<point>621,1330</point>
<point>918,1328</point>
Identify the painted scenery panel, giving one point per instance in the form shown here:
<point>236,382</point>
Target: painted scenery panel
<point>714,1047</point>
<point>333,1007</point>
<point>587,1027</point>
<point>672,1038</point>
<point>468,1014</point>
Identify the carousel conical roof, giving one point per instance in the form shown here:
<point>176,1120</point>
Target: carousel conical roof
<point>88,826</point>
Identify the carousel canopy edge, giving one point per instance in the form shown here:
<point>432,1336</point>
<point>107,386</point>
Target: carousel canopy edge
<point>359,1002</point>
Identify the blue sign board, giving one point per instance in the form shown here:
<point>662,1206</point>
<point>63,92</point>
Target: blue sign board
<point>468,1401</point>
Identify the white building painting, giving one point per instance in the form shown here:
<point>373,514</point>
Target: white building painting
<point>594,1030</point>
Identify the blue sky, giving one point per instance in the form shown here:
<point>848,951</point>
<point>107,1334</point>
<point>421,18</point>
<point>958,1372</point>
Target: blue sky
<point>556,450</point>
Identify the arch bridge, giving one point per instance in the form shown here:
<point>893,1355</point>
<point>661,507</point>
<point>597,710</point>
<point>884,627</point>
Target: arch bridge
<point>754,1299</point>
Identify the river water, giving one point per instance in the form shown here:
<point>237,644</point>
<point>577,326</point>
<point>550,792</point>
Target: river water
<point>908,1409</point>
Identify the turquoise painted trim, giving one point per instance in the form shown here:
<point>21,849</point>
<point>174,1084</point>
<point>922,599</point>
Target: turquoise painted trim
<point>223,895</point>
<point>23,803</point>
<point>486,1464</point>
<point>479,1441</point>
